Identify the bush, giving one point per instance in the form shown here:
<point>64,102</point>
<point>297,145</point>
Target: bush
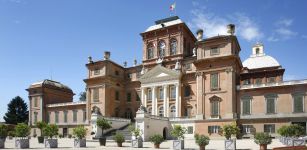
<point>79,132</point>
<point>61,135</point>
<point>11,133</point>
<point>230,129</point>
<point>293,130</point>
<point>103,124</point>
<point>178,132</point>
<point>201,140</point>
<point>69,136</point>
<point>282,130</point>
<point>41,125</point>
<point>119,138</point>
<point>136,132</point>
<point>156,139</point>
<point>22,130</point>
<point>262,138</point>
<point>3,130</point>
<point>51,130</point>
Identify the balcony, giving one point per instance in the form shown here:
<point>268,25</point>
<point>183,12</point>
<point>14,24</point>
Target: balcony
<point>276,84</point>
<point>67,104</point>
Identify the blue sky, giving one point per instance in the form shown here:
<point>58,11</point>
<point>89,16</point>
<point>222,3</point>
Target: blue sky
<point>44,38</point>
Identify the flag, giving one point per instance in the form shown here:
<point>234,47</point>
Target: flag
<point>172,7</point>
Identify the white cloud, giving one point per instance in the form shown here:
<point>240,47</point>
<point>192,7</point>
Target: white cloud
<point>282,31</point>
<point>214,25</point>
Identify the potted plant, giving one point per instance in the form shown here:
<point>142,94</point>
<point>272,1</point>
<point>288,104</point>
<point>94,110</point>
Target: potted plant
<point>229,130</point>
<point>262,139</point>
<point>22,131</point>
<point>41,125</point>
<point>137,141</point>
<point>156,139</point>
<point>103,124</point>
<point>80,133</point>
<point>119,139</point>
<point>178,133</point>
<point>202,141</point>
<point>51,130</point>
<point>3,134</point>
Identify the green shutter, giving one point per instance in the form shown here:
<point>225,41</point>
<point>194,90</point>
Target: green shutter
<point>298,103</point>
<point>214,81</point>
<point>270,105</point>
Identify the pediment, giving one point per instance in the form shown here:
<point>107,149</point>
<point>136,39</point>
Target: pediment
<point>158,74</point>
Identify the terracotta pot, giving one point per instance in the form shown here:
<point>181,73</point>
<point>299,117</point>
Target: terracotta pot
<point>157,145</point>
<point>263,146</point>
<point>202,148</point>
<point>119,144</point>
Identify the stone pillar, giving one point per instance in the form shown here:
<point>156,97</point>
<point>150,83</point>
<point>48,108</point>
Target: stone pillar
<point>88,102</point>
<point>153,99</point>
<point>165,95</point>
<point>199,91</point>
<point>177,100</point>
<point>142,96</point>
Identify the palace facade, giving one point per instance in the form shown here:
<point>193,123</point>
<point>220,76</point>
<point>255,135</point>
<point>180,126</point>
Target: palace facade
<point>200,83</point>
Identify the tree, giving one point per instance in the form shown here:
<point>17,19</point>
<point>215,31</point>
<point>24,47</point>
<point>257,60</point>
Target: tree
<point>82,96</point>
<point>17,111</point>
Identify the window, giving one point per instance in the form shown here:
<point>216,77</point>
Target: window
<point>96,94</point>
<point>35,117</point>
<point>149,95</point>
<point>150,50</point>
<point>97,71</point>
<point>161,49</point>
<point>298,103</point>
<point>56,119</point>
<point>116,73</point>
<point>35,101</point>
<point>187,91</point>
<point>161,94</point>
<point>214,81</point>
<point>257,51</point>
<point>128,97</point>
<point>65,116</point>
<point>116,112</point>
<point>84,115</point>
<point>213,129</point>
<point>214,51</point>
<point>75,115</point>
<point>173,49</point>
<point>246,82</point>
<point>173,92</point>
<point>190,129</point>
<point>270,104</point>
<point>258,81</point>
<point>271,80</point>
<point>247,129</point>
<point>214,108</point>
<point>173,111</point>
<point>269,128</point>
<point>117,95</point>
<point>246,106</point>
<point>161,111</point>
<point>149,110</point>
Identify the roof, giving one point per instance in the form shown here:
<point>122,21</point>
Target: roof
<point>164,23</point>
<point>51,83</point>
<point>260,61</point>
<point>159,74</point>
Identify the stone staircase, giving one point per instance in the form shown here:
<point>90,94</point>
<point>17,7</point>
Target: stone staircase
<point>124,130</point>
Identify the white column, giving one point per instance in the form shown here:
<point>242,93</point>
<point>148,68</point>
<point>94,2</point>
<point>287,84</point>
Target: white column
<point>142,96</point>
<point>177,100</point>
<point>153,99</point>
<point>165,100</point>
<point>156,101</point>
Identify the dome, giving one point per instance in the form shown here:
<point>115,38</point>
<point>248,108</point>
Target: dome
<point>263,61</point>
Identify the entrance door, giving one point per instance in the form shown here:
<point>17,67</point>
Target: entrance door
<point>65,133</point>
<point>165,133</point>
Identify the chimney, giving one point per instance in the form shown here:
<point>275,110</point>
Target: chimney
<point>107,55</point>
<point>199,33</point>
<point>90,59</point>
<point>135,62</point>
<point>125,64</point>
<point>231,28</point>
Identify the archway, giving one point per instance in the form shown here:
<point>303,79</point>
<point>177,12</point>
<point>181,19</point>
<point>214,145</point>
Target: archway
<point>165,133</point>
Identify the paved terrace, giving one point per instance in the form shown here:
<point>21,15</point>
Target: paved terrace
<point>66,143</point>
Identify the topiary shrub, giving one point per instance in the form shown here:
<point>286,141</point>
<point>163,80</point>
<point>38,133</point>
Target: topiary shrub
<point>136,132</point>
<point>51,130</point>
<point>178,132</point>
<point>119,139</point>
<point>3,131</point>
<point>79,132</point>
<point>201,140</point>
<point>156,139</point>
<point>262,138</point>
<point>230,129</point>
<point>22,130</point>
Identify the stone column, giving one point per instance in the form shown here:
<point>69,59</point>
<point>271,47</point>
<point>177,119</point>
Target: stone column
<point>200,89</point>
<point>153,99</point>
<point>177,100</point>
<point>142,96</point>
<point>165,95</point>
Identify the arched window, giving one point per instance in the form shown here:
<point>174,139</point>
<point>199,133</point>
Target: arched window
<point>150,49</point>
<point>149,110</point>
<point>257,51</point>
<point>161,49</point>
<point>172,111</point>
<point>215,106</point>
<point>161,111</point>
<point>173,47</point>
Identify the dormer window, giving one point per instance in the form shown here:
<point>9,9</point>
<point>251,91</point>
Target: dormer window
<point>214,51</point>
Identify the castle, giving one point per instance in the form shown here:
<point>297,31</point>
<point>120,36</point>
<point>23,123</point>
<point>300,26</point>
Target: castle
<point>197,82</point>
